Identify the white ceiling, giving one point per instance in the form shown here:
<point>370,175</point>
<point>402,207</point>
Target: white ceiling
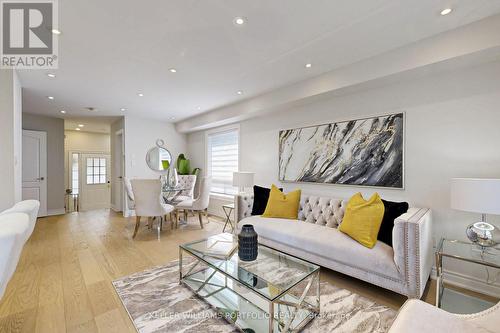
<point>111,50</point>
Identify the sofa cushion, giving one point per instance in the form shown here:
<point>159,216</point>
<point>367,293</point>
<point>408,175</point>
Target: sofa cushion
<point>326,242</point>
<point>282,205</point>
<point>260,198</point>
<point>392,211</point>
<point>363,218</point>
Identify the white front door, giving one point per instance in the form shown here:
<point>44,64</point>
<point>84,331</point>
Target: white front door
<point>35,168</point>
<point>95,190</point>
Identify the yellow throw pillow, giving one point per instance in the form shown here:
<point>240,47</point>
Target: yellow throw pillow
<point>362,219</point>
<point>285,206</point>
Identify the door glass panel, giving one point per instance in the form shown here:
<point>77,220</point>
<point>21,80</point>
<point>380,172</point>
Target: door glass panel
<point>96,170</point>
<point>75,187</point>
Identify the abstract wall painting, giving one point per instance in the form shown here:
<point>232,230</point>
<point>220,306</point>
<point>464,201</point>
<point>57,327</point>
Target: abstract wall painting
<point>365,152</point>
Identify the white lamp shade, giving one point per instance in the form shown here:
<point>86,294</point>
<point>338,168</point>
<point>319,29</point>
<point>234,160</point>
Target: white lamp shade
<point>476,195</point>
<point>243,179</point>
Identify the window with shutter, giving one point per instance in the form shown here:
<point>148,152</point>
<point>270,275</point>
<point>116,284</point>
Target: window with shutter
<point>222,160</point>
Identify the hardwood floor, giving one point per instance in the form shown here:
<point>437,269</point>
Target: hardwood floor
<point>63,279</point>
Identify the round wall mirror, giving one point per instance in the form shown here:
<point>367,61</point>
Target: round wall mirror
<point>158,159</point>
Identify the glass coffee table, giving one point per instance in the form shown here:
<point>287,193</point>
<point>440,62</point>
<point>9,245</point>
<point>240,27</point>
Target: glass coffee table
<point>274,293</point>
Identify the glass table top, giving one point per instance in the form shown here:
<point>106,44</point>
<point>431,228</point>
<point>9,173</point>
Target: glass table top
<point>489,256</point>
<point>271,274</point>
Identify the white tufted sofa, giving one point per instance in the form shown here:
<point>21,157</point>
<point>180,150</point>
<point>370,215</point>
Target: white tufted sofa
<point>403,268</point>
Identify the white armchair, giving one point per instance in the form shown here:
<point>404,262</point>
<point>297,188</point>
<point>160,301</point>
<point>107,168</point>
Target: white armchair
<point>147,198</point>
<point>199,205</point>
<point>416,316</point>
<point>13,230</point>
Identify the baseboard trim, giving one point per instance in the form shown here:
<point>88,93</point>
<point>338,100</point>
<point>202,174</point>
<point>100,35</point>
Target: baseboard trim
<point>57,211</point>
<point>469,282</point>
<point>115,209</point>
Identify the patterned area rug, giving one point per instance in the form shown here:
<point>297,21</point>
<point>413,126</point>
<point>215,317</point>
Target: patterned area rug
<point>157,303</point>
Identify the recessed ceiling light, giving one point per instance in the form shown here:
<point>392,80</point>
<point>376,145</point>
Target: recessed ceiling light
<point>239,92</point>
<point>198,108</point>
<point>63,112</point>
<point>173,70</point>
<point>77,129</point>
<point>123,109</point>
<point>239,20</point>
<point>51,75</point>
<point>308,65</point>
<point>140,94</point>
<point>172,118</point>
<point>446,11</point>
<point>56,32</point>
<point>50,97</point>
<point>81,125</point>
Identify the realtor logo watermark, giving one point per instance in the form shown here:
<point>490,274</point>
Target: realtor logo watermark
<point>27,40</point>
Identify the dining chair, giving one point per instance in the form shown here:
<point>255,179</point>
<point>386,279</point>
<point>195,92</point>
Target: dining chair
<point>129,192</point>
<point>198,205</point>
<point>187,182</point>
<point>147,198</point>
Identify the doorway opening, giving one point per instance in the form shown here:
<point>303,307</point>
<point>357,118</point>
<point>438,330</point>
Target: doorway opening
<point>88,163</point>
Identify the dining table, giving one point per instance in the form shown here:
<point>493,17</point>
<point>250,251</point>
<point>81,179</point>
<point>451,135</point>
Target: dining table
<point>170,195</point>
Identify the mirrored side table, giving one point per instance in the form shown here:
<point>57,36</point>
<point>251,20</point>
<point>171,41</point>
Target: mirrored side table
<point>468,256</point>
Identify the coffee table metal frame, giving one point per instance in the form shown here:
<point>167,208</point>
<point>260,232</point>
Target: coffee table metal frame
<point>284,298</point>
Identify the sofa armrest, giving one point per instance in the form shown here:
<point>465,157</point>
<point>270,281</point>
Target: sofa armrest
<point>243,204</point>
<point>488,319</point>
<point>413,250</point>
<point>416,316</point>
<point>13,227</point>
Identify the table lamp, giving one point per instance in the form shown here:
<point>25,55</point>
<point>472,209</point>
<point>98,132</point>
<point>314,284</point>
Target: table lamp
<point>243,179</point>
<point>478,196</point>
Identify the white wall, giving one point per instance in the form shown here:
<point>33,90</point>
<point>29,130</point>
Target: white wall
<point>117,202</point>
<point>140,136</point>
<point>54,127</point>
<point>87,141</point>
<point>18,137</point>
<point>452,130</point>
<point>10,138</point>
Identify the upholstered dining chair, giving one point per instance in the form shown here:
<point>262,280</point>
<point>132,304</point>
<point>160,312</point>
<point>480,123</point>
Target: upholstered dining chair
<point>188,182</point>
<point>129,192</point>
<point>147,198</point>
<point>198,205</point>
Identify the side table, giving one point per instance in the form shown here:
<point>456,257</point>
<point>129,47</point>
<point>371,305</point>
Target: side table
<point>228,210</point>
<point>452,300</point>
